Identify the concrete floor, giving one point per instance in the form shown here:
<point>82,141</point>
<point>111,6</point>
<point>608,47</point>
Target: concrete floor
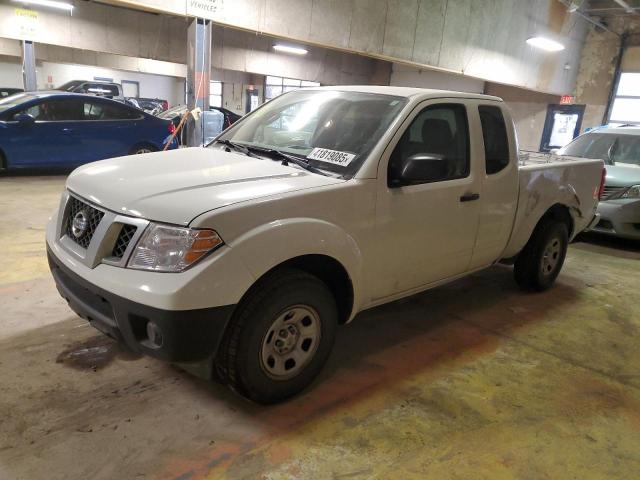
<point>472,380</point>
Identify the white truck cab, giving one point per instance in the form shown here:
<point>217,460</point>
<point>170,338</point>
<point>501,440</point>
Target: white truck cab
<point>246,255</point>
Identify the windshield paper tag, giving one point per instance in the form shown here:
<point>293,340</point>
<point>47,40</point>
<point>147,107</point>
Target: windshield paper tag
<point>331,156</point>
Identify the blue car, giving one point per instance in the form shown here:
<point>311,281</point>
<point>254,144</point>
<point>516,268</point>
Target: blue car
<point>59,129</point>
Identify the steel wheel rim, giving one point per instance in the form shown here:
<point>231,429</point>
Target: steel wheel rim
<point>143,150</point>
<point>290,342</point>
<point>551,256</point>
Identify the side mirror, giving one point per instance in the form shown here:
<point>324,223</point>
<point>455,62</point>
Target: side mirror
<point>25,119</point>
<point>421,168</point>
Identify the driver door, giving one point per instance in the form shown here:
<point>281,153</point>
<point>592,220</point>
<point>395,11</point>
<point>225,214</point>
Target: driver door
<point>52,138</point>
<point>426,230</point>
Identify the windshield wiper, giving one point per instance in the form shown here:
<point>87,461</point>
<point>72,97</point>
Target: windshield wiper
<point>287,157</point>
<point>237,147</point>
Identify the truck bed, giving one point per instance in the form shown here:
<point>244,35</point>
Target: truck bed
<point>545,180</point>
<point>528,158</point>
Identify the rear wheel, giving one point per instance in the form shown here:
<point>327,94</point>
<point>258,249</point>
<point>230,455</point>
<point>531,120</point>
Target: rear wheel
<point>279,337</point>
<point>541,260</point>
<point>142,149</point>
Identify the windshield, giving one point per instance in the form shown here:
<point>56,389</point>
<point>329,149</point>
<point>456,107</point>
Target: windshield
<point>611,147</point>
<point>333,130</point>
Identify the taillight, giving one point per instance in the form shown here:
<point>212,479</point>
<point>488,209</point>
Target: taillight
<point>602,179</point>
<point>172,128</point>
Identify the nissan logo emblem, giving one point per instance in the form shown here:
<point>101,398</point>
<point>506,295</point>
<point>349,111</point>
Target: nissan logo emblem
<point>79,224</point>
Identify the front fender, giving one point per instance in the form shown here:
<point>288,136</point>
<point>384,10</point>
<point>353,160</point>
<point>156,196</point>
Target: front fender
<point>269,245</point>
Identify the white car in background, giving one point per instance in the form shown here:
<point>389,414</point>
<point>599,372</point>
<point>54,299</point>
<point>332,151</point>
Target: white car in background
<point>619,147</point>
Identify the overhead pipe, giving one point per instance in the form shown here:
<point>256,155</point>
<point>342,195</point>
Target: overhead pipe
<point>627,8</point>
<point>587,17</point>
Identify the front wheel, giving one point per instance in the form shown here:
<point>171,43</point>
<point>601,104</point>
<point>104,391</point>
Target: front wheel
<point>541,260</point>
<point>279,337</point>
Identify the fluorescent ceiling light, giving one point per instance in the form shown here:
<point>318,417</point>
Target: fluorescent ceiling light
<point>294,50</point>
<point>545,44</point>
<point>48,3</point>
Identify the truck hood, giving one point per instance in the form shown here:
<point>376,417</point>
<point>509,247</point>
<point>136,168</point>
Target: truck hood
<point>178,185</point>
<point>622,175</point>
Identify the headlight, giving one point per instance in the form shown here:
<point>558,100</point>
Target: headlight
<point>632,192</point>
<point>172,249</point>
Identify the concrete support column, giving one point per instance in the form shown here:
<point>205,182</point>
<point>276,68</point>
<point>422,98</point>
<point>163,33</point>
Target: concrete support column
<point>29,81</point>
<point>198,75</point>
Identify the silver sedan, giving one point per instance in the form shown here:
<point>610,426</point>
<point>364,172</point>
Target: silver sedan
<point>619,147</point>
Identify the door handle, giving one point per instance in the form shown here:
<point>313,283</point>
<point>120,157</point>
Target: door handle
<point>469,197</point>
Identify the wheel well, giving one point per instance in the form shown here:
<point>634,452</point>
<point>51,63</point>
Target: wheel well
<point>331,272</point>
<point>148,145</point>
<point>560,213</point>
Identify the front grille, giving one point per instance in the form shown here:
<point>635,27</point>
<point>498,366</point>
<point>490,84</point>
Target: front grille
<point>92,215</point>
<point>124,238</point>
<point>610,191</point>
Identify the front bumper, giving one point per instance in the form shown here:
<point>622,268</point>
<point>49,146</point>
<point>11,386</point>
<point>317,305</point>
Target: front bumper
<point>620,218</point>
<point>179,336</point>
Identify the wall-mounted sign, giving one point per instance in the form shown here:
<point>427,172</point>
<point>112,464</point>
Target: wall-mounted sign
<point>209,9</point>
<point>566,100</point>
<point>26,23</point>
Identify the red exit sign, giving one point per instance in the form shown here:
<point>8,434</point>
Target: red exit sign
<point>566,99</point>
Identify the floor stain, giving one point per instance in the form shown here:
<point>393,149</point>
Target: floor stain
<point>94,353</point>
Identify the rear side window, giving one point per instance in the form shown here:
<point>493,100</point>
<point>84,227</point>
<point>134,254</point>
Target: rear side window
<point>67,110</point>
<point>107,111</point>
<point>496,141</point>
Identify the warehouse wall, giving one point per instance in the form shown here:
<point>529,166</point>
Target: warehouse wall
<point>597,66</point>
<point>246,52</point>
<point>234,86</point>
<point>407,76</point>
<point>480,38</point>
<point>101,28</point>
<point>528,109</point>
<point>10,72</point>
<point>631,59</point>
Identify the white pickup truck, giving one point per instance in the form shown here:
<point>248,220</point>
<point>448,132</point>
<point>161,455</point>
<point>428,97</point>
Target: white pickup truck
<point>246,255</point>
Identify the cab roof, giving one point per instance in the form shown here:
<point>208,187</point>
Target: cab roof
<point>622,130</point>
<point>51,93</point>
<point>408,92</point>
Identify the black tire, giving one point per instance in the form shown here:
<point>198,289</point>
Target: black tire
<point>140,149</point>
<point>241,358</point>
<point>541,260</point>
